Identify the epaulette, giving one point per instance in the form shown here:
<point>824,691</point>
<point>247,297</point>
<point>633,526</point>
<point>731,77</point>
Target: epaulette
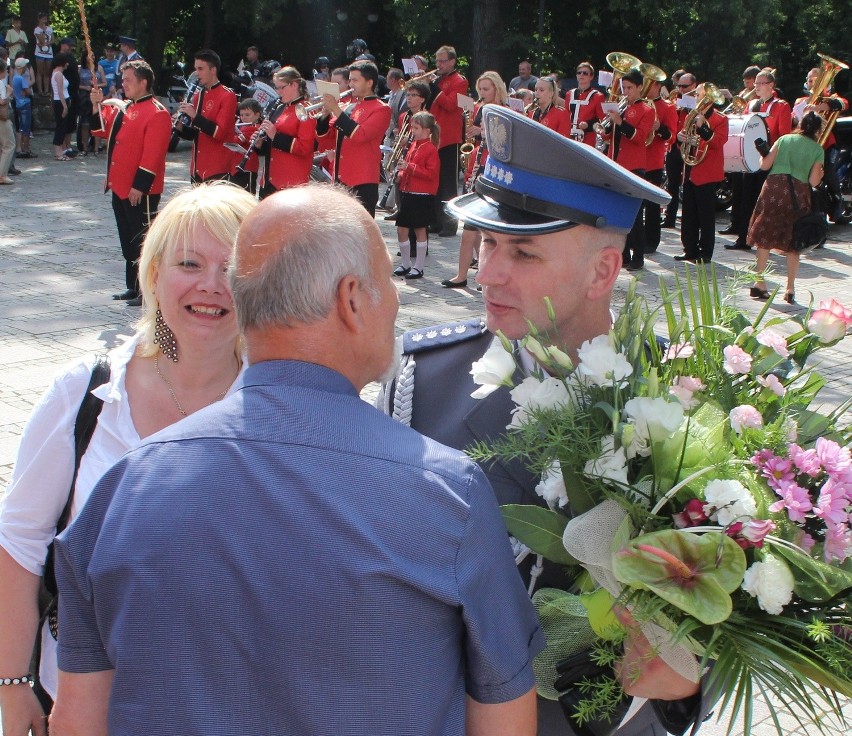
<point>159,105</point>
<point>440,336</point>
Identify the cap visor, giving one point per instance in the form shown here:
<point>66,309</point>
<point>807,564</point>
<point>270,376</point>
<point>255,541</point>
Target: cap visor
<point>486,214</point>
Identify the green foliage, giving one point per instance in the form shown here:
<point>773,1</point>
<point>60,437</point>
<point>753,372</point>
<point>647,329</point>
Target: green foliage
<point>540,529</point>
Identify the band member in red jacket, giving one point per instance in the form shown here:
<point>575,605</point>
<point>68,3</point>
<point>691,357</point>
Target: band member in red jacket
<point>779,120</point>
<point>288,144</point>
<point>665,130</point>
<point>629,133</point>
<point>545,110</point>
<point>211,112</point>
<point>418,185</point>
<point>583,105</point>
<point>360,132</point>
<point>829,103</point>
<point>450,118</point>
<point>138,135</point>
<point>698,216</point>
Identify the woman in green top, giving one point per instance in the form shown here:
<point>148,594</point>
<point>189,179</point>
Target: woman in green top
<point>796,158</point>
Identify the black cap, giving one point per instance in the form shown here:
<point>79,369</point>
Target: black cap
<point>537,181</point>
<point>127,41</point>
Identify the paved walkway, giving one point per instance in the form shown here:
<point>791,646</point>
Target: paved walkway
<point>60,262</point>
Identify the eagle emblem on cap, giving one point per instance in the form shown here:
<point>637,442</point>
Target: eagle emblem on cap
<point>498,137</point>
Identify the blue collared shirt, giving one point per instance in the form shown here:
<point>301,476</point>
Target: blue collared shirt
<point>291,561</point>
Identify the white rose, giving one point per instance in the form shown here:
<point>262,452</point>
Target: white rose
<point>771,582</point>
<point>600,364</point>
<point>492,370</point>
<point>552,486</point>
<point>728,501</point>
<point>655,419</point>
<point>534,394</point>
<point>611,464</point>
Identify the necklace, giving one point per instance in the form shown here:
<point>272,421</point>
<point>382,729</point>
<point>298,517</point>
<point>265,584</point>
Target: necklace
<point>182,411</point>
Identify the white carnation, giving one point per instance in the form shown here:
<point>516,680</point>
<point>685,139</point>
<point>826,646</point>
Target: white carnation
<point>492,370</point>
<point>771,582</point>
<point>728,501</point>
<point>552,486</point>
<point>534,394</point>
<point>611,464</point>
<point>600,365</point>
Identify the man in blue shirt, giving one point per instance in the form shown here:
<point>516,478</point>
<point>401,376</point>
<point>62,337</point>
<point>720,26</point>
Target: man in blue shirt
<point>306,565</point>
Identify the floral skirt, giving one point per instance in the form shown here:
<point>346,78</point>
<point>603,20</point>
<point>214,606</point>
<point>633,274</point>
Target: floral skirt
<point>771,226</point>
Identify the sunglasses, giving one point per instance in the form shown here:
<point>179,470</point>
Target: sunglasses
<point>683,86</point>
<point>584,73</point>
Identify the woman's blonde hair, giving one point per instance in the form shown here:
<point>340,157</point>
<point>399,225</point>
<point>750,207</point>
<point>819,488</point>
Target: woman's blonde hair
<point>502,95</point>
<point>219,208</point>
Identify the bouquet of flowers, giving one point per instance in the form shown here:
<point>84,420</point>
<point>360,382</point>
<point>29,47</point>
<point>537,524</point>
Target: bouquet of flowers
<point>691,481</point>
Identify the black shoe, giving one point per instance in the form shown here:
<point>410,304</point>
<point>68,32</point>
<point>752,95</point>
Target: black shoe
<point>668,223</point>
<point>727,230</point>
<point>790,297</point>
<point>126,295</point>
<point>415,273</point>
<point>450,284</point>
<point>401,270</point>
<point>391,216</point>
<point>14,172</point>
<point>737,246</point>
<point>650,250</point>
<point>756,293</point>
<point>136,302</point>
<point>685,257</point>
<point>634,267</point>
<point>474,264</point>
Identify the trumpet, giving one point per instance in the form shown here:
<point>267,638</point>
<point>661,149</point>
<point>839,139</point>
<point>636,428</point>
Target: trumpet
<point>305,112</point>
<point>427,77</point>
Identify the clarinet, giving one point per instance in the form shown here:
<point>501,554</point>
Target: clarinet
<point>259,134</point>
<point>183,118</point>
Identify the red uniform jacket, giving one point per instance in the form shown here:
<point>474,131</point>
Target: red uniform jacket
<point>779,117</point>
<point>844,105</point>
<point>243,136</point>
<point>137,142</point>
<point>444,106</point>
<point>421,174</point>
<point>290,154</point>
<point>555,118</point>
<point>712,168</point>
<point>361,131</point>
<point>212,127</point>
<point>639,119</point>
<point>585,107</point>
<point>665,135</point>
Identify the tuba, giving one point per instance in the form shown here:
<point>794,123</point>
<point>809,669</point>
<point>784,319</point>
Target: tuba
<point>691,150</point>
<point>621,64</point>
<point>650,74</point>
<point>740,102</point>
<point>828,70</point>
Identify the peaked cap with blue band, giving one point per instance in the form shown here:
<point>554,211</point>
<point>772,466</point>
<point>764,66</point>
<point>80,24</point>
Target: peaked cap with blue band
<point>537,181</point>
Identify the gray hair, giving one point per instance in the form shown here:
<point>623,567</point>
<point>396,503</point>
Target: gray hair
<point>298,284</point>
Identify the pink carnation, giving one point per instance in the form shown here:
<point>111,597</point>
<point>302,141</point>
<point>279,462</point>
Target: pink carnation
<point>806,461</point>
<point>683,388</point>
<point>775,340</point>
<point>829,321</point>
<point>743,417</point>
<point>737,360</point>
<point>679,350</point>
<point>794,499</point>
<point>773,384</point>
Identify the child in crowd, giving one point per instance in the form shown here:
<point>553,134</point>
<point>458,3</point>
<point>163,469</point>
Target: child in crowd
<point>418,177</point>
<point>23,105</point>
<point>251,116</point>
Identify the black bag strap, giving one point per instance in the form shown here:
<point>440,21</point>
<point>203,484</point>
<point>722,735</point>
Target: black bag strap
<point>793,196</point>
<point>84,428</point>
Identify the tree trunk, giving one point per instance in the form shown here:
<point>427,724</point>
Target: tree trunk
<point>486,28</point>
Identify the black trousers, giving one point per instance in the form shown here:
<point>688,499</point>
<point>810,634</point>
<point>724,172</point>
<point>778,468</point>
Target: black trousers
<point>698,220</point>
<point>634,247</point>
<point>674,172</point>
<point>245,179</point>
<point>752,184</point>
<point>367,195</point>
<point>736,200</point>
<point>448,185</point>
<point>132,223</point>
<point>651,213</point>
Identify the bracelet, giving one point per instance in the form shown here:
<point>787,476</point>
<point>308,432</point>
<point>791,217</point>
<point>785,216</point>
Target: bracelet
<point>23,680</point>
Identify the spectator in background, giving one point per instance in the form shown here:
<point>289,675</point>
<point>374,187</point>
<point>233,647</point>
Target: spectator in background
<point>108,66</point>
<point>7,130</point>
<point>16,39</point>
<point>72,74</point>
<point>61,104</point>
<point>23,105</point>
<point>525,78</point>
<point>43,55</point>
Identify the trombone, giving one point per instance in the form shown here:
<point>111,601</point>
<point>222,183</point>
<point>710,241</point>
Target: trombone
<point>305,112</point>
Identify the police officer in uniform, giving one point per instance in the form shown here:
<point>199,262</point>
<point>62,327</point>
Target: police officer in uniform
<point>538,240</point>
<point>138,135</point>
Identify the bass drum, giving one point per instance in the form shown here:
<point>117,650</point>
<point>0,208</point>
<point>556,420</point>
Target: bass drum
<point>740,153</point>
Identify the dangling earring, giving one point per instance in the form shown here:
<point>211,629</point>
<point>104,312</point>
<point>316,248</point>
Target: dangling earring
<point>165,338</point>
